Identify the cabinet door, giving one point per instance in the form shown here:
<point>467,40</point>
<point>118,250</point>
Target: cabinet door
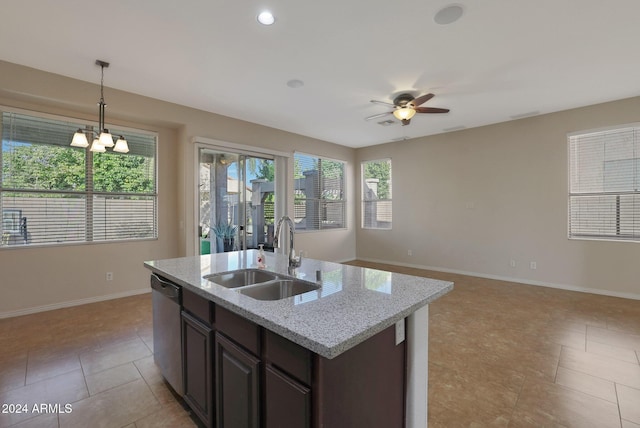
<point>237,386</point>
<point>196,357</point>
<point>287,402</point>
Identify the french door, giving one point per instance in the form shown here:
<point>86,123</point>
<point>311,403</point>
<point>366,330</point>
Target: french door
<point>237,194</point>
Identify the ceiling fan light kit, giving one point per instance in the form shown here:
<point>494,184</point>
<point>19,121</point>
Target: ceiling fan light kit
<point>406,106</point>
<point>404,113</point>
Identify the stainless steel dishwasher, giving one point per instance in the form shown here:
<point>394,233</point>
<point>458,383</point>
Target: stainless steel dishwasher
<point>167,330</point>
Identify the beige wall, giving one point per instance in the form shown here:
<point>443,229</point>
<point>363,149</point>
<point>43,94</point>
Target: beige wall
<point>33,279</point>
<point>471,201</point>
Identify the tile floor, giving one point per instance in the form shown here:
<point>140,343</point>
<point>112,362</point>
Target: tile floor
<point>97,358</point>
<point>501,354</point>
<point>510,355</point>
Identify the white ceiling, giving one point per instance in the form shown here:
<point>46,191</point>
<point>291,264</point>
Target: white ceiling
<point>502,59</point>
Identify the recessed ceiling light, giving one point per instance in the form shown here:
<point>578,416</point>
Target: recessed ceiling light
<point>266,18</point>
<point>295,83</point>
<point>449,14</point>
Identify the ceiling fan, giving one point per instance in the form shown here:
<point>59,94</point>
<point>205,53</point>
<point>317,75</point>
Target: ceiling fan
<point>405,106</point>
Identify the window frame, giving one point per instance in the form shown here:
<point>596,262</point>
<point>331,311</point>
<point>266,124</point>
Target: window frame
<point>88,193</point>
<point>343,201</point>
<point>575,195</point>
<point>363,192</point>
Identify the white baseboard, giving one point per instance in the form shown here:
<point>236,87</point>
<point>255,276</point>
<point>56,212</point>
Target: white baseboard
<point>35,309</point>
<point>609,293</point>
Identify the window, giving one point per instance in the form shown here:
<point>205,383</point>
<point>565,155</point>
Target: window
<point>319,201</point>
<point>52,193</point>
<point>376,194</point>
<point>604,186</point>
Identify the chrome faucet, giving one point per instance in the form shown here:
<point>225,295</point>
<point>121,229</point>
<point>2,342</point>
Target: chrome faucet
<point>294,261</point>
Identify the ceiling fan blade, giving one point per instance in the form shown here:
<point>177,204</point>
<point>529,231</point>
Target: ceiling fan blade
<point>431,110</point>
<point>422,99</point>
<point>376,116</point>
<point>384,103</point>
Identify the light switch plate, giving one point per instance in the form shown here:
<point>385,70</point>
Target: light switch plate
<point>400,331</point>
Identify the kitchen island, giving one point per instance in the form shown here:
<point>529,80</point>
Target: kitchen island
<point>362,332</point>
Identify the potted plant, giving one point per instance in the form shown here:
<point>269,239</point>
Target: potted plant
<point>226,234</point>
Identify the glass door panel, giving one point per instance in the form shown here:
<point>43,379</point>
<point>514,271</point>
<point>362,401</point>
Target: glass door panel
<point>236,201</point>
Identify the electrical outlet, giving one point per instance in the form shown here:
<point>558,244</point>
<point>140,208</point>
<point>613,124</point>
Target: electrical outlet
<point>533,265</point>
<point>512,263</point>
<point>109,276</point>
<point>410,252</point>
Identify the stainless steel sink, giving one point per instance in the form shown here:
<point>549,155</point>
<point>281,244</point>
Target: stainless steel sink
<point>262,285</point>
<point>278,289</point>
<point>241,278</point>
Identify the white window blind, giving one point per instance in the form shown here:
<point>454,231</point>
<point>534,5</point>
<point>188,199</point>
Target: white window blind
<point>52,193</point>
<point>319,201</point>
<point>376,194</point>
<point>604,184</point>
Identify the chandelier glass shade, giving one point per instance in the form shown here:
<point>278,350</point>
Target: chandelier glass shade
<point>404,113</point>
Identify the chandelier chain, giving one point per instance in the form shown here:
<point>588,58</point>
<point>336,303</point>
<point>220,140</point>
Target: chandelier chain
<point>102,84</point>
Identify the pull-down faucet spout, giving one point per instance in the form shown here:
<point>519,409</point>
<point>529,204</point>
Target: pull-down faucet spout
<point>294,261</point>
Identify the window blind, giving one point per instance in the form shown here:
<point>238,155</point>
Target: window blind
<point>604,184</point>
<point>52,193</point>
<point>319,202</point>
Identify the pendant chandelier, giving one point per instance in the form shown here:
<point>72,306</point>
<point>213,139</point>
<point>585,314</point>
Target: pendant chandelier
<point>101,138</point>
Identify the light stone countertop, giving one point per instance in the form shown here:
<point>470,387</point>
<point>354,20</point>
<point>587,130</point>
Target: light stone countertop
<point>352,304</point>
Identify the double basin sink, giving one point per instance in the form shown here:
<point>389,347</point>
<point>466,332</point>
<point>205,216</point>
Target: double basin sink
<point>262,285</point>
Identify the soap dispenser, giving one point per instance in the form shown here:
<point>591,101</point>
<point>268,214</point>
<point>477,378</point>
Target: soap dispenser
<point>261,259</point>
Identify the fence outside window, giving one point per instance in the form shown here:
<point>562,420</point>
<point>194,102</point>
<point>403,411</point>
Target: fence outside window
<point>58,194</point>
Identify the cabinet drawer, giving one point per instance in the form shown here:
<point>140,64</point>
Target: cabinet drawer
<point>288,356</point>
<point>198,306</point>
<point>241,330</point>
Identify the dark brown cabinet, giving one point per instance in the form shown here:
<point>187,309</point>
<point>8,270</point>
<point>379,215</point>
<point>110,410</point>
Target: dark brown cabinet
<point>287,401</point>
<point>363,387</point>
<point>262,379</point>
<point>240,375</point>
<point>197,355</point>
<point>287,383</point>
<point>237,385</point>
<point>198,364</point>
